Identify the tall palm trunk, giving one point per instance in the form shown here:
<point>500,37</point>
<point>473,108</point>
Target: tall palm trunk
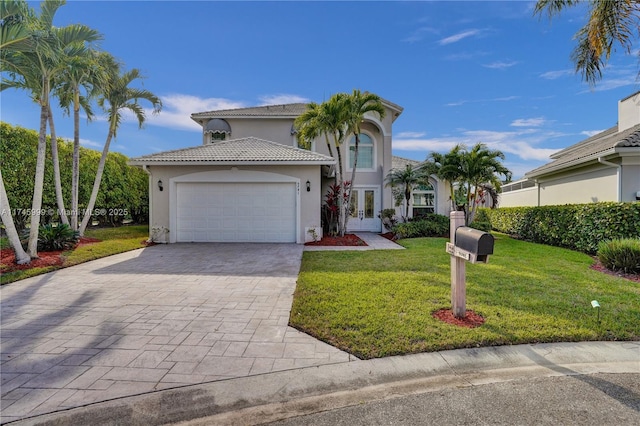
<point>96,183</point>
<point>348,196</point>
<point>56,170</point>
<point>36,203</point>
<point>75,168</point>
<point>340,180</point>
<point>7,219</point>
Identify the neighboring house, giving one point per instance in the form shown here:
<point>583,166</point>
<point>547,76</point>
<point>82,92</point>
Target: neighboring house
<point>250,182</point>
<point>430,198</point>
<point>604,167</point>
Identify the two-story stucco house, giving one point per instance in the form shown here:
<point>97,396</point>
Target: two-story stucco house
<point>248,181</point>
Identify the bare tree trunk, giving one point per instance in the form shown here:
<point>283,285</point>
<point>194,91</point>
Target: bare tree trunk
<point>7,219</point>
<point>36,203</point>
<point>96,185</point>
<point>56,170</point>
<point>75,168</point>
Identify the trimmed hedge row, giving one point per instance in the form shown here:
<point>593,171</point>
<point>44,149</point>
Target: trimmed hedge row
<point>430,225</point>
<point>576,226</point>
<point>124,192</point>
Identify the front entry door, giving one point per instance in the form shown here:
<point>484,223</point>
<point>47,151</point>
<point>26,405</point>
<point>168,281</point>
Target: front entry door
<point>365,206</point>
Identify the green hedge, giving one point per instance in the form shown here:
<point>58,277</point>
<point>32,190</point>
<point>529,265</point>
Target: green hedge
<point>430,225</point>
<point>577,226</point>
<point>124,189</point>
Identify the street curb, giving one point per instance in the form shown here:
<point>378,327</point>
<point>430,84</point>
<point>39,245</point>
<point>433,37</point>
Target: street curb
<point>274,396</point>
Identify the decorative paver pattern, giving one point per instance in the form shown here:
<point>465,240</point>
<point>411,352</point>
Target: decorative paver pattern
<point>150,319</point>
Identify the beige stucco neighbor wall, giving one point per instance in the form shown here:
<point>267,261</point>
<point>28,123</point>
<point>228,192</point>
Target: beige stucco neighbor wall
<point>519,198</point>
<point>591,185</point>
<point>630,179</point>
<point>309,204</point>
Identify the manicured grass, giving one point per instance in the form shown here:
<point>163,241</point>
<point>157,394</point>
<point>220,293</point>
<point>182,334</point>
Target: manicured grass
<point>379,303</point>
<point>114,241</point>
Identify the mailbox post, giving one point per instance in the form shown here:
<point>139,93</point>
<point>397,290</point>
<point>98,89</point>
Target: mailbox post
<point>466,244</point>
<point>458,269</point>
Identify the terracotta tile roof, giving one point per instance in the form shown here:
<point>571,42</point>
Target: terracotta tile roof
<point>243,151</point>
<point>590,149</point>
<point>401,163</point>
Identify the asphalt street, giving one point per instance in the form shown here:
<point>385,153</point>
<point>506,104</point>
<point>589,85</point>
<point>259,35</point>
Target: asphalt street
<point>598,399</point>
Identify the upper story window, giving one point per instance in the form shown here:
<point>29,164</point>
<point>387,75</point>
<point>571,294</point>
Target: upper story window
<point>218,129</point>
<point>365,152</point>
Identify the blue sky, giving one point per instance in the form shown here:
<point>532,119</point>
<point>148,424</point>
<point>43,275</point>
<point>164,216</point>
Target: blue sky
<point>465,72</point>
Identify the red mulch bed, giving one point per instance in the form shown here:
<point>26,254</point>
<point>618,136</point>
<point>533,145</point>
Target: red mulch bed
<point>389,236</point>
<point>470,320</point>
<point>598,266</point>
<point>46,258</point>
<point>347,240</point>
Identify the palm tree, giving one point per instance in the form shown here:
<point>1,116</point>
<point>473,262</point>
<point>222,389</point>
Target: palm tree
<point>15,36</point>
<point>81,73</point>
<point>116,97</point>
<point>358,104</point>
<point>328,119</point>
<point>610,22</point>
<point>447,168</point>
<point>35,71</point>
<point>481,166</point>
<point>407,179</point>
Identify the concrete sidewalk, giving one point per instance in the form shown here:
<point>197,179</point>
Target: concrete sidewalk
<point>286,394</point>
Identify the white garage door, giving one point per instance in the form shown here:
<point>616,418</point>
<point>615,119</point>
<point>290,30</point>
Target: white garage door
<point>236,212</point>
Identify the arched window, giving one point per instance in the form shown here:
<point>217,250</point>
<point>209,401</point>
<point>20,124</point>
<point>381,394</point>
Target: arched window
<point>424,200</point>
<point>365,152</point>
<point>218,129</point>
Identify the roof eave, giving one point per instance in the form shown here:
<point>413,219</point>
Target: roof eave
<point>571,164</point>
<point>230,163</point>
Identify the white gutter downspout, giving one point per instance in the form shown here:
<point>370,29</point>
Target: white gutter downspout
<point>146,170</point>
<point>538,188</point>
<point>619,172</point>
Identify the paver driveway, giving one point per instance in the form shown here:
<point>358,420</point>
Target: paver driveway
<point>151,319</point>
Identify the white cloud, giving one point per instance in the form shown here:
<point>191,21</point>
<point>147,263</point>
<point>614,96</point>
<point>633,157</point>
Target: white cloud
<point>177,109</point>
<point>589,133</point>
<point>552,75</point>
<point>460,36</point>
<point>410,135</point>
<point>522,144</point>
<point>467,101</point>
<point>419,34</point>
<point>528,122</point>
<point>500,65</point>
<point>89,143</point>
<point>282,98</point>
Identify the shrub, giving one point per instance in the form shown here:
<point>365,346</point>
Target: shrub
<point>389,219</point>
<point>620,255</point>
<point>482,226</point>
<point>431,225</point>
<point>54,238</point>
<point>576,226</point>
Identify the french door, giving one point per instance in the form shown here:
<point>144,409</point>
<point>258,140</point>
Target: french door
<point>365,207</point>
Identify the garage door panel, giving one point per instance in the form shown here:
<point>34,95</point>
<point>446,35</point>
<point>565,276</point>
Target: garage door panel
<point>236,212</point>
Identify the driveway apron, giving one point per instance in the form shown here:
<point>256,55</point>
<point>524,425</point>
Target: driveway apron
<point>156,318</point>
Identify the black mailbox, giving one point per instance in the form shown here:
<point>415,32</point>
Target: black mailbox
<point>478,243</point>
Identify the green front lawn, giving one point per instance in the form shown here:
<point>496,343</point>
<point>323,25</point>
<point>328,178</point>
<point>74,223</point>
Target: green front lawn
<point>379,303</point>
<point>113,241</point>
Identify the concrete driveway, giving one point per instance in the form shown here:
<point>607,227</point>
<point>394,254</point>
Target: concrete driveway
<point>151,319</point>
